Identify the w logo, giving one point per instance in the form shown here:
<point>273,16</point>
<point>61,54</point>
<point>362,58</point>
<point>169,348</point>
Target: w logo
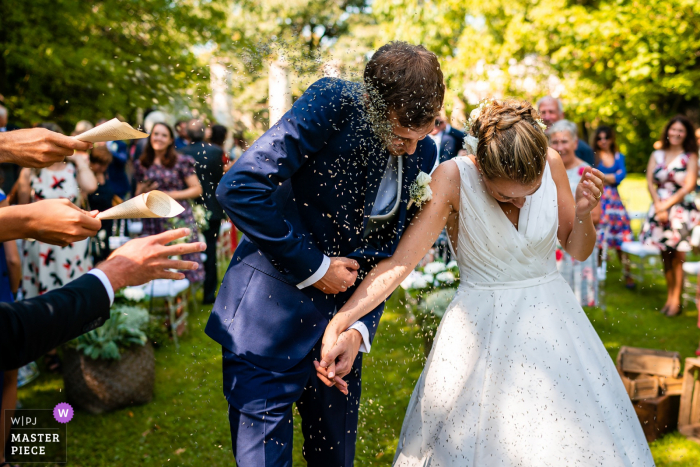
<point>63,413</point>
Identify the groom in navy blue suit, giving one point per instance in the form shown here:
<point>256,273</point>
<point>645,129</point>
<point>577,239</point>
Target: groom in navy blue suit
<point>321,197</point>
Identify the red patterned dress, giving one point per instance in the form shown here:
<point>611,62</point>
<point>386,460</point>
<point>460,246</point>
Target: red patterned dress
<point>46,267</point>
<point>682,217</point>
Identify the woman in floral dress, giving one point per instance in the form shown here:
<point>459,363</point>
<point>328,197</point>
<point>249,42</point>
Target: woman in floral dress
<point>161,168</point>
<point>614,228</point>
<point>46,267</point>
<point>671,177</point>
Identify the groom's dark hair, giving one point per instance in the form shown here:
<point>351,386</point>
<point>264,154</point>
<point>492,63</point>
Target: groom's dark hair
<point>409,81</point>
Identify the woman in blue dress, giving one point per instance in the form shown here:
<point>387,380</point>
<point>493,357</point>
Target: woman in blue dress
<point>614,227</point>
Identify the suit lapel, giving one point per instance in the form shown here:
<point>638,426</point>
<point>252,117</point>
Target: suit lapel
<point>411,167</point>
<point>375,171</point>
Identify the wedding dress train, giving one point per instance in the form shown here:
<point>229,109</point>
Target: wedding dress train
<point>517,375</point>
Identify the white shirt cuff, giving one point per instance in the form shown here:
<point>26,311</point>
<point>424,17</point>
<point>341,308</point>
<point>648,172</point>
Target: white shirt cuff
<point>318,275</point>
<point>360,327</point>
<point>105,281</point>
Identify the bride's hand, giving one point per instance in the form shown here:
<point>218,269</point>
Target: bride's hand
<point>588,191</point>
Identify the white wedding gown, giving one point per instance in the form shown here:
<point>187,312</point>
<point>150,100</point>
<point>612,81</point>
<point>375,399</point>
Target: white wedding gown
<point>517,375</point>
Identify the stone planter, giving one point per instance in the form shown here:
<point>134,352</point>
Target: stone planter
<point>98,386</point>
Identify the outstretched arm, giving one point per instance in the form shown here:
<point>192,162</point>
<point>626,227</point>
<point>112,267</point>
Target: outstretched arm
<point>388,274</point>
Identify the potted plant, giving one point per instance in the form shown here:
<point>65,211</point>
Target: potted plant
<point>429,292</point>
<point>112,366</point>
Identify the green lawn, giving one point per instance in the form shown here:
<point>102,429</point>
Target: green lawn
<point>186,422</point>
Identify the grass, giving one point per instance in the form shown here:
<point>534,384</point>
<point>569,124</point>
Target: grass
<point>186,423</point>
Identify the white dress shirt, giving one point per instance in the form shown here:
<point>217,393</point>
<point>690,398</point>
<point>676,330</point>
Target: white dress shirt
<point>385,207</point>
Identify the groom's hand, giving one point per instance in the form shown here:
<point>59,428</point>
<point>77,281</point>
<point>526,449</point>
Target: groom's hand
<point>337,362</point>
<point>340,276</point>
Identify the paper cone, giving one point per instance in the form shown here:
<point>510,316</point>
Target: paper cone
<point>147,205</point>
<point>113,130</point>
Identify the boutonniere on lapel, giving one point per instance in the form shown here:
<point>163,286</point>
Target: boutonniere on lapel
<point>420,191</point>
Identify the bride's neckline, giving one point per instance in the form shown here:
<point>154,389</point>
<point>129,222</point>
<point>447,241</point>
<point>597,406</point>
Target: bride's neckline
<point>500,206</point>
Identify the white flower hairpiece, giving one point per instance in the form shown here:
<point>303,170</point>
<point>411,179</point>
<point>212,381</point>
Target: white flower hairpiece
<point>470,144</point>
<point>541,124</point>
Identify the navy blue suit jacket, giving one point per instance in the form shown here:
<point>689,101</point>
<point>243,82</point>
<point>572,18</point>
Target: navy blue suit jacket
<point>304,189</point>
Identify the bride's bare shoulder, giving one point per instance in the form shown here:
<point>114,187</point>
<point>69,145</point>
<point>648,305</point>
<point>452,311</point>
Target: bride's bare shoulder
<point>445,182</point>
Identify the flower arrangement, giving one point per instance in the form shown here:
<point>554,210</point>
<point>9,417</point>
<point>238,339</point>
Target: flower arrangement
<point>201,216</point>
<point>433,275</point>
<point>430,290</point>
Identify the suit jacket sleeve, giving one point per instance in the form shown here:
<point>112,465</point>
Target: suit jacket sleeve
<point>30,328</point>
<point>246,192</point>
<point>371,319</point>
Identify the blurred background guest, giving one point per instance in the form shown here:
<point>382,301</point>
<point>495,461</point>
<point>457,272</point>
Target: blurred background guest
<point>237,150</point>
<point>218,136</point>
<point>117,175</point>
<point>447,140</point>
<point>552,110</point>
<point>160,167</point>
<point>46,267</point>
<point>10,275</point>
<point>102,199</point>
<point>181,138</point>
<point>614,227</point>
<point>581,275</point>
<point>209,166</point>
<point>672,174</point>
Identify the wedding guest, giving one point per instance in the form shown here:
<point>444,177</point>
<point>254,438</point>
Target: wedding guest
<point>209,166</point>
<point>117,171</point>
<point>181,139</point>
<point>552,110</point>
<point>447,139</point>
<point>237,150</point>
<point>46,267</point>
<point>102,199</point>
<point>29,328</point>
<point>160,167</point>
<point>581,275</point>
<point>614,227</point>
<point>672,174</point>
<point>218,136</point>
<point>10,275</point>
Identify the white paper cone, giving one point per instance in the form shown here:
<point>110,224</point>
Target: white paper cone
<point>147,205</point>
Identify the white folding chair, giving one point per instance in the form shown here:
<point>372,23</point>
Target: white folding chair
<point>637,254</point>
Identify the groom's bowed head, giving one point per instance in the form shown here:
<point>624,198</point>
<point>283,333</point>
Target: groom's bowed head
<point>405,91</point>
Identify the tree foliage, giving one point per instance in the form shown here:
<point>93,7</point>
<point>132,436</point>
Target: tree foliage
<point>631,64</point>
<point>66,60</point>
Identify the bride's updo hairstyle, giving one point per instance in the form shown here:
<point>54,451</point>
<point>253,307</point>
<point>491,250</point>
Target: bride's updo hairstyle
<point>512,143</point>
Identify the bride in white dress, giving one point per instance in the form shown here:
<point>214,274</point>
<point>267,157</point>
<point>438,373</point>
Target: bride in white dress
<point>517,375</point>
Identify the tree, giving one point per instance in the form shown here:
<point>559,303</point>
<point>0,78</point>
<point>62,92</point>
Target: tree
<point>66,60</point>
<point>631,64</point>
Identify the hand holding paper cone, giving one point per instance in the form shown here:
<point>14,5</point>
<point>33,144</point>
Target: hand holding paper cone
<point>146,205</point>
